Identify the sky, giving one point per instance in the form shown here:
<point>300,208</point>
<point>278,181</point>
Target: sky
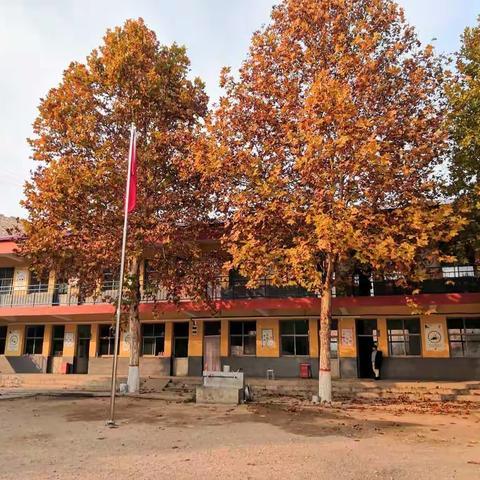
<point>39,38</point>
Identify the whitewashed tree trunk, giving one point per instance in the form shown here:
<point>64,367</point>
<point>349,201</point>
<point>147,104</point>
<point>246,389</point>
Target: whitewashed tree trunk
<point>133,380</point>
<point>325,372</point>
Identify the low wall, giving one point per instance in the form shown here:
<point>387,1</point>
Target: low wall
<point>454,369</point>
<point>23,364</point>
<point>153,367</point>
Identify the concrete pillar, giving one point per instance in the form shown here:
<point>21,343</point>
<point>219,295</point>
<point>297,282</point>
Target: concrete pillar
<point>313,336</point>
<point>168,338</point>
<point>195,339</point>
<point>15,340</point>
<point>271,325</point>
<point>93,340</point>
<point>382,336</point>
<point>224,343</point>
<point>47,340</point>
<point>347,346</point>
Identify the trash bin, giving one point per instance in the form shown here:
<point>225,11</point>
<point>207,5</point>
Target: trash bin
<point>305,370</point>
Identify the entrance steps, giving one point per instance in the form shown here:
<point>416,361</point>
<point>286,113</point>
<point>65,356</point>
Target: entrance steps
<point>38,381</point>
<point>348,390</point>
<point>179,389</point>
<point>183,388</point>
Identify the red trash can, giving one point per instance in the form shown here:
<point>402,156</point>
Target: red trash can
<point>305,370</point>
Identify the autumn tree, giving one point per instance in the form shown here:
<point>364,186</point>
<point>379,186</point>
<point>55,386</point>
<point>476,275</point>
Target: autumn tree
<point>464,97</point>
<point>324,149</point>
<point>75,197</point>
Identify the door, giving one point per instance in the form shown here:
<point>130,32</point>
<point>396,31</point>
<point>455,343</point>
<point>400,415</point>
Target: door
<point>83,349</point>
<point>211,354</point>
<point>180,349</point>
<point>367,335</point>
<point>211,346</point>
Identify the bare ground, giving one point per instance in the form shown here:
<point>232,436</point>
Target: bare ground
<point>65,438</point>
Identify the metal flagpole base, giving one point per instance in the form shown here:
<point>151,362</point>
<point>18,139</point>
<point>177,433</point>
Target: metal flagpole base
<point>111,424</point>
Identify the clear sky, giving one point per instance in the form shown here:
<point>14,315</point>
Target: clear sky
<point>38,39</point>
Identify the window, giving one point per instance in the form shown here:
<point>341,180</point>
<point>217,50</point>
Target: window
<point>153,338</point>
<point>6,280</point>
<point>294,337</point>
<point>404,337</point>
<point>34,339</point>
<point>107,340</point>
<point>464,337</point>
<point>243,338</point>
<point>333,337</point>
<point>149,275</point>
<point>58,333</point>
<point>36,284</point>
<point>212,328</point>
<point>458,271</point>
<point>3,339</point>
<point>109,281</point>
<point>180,339</point>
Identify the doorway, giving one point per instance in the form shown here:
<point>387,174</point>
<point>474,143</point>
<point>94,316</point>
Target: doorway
<point>211,346</point>
<point>80,364</point>
<point>367,335</point>
<point>180,349</point>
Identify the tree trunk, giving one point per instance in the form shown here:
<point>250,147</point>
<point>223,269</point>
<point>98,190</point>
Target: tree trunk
<point>325,373</point>
<point>133,380</point>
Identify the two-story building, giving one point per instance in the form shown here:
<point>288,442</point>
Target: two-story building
<point>45,327</point>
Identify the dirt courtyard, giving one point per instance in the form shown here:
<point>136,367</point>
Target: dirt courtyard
<point>65,438</point>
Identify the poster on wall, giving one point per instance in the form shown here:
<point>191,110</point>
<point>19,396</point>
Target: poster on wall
<point>69,339</point>
<point>13,340</point>
<point>434,337</point>
<point>126,342</point>
<point>347,337</point>
<point>267,338</point>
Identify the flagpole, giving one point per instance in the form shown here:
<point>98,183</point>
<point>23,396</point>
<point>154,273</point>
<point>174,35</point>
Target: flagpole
<point>111,420</point>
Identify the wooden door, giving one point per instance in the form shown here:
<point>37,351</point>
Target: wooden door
<point>211,353</point>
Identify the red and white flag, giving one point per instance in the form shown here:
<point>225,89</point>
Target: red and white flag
<point>132,189</point>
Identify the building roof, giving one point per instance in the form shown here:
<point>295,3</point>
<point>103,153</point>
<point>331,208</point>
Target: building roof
<point>7,223</point>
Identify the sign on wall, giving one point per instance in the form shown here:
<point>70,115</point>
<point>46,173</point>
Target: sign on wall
<point>267,338</point>
<point>347,337</point>
<point>126,341</point>
<point>194,328</point>
<point>69,339</point>
<point>21,276</point>
<point>13,341</point>
<point>434,338</point>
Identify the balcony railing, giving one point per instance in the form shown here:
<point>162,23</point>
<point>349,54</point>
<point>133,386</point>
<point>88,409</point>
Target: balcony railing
<point>464,279</point>
<point>454,279</point>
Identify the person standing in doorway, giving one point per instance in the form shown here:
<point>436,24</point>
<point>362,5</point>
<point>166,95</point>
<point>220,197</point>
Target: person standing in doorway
<point>377,358</point>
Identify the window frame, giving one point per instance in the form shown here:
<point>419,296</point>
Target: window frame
<point>294,335</point>
<point>464,337</point>
<point>37,285</point>
<point>36,339</point>
<point>242,335</point>
<point>6,282</point>
<point>154,337</point>
<point>57,339</point>
<point>182,337</point>
<point>406,336</point>
<point>3,338</point>
<point>110,339</point>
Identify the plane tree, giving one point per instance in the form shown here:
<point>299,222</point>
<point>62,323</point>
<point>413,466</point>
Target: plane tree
<point>75,196</point>
<point>324,149</point>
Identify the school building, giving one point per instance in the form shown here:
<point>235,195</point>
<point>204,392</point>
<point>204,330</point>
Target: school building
<point>45,327</point>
